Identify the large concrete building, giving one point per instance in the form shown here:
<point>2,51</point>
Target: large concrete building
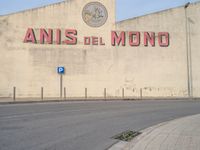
<point>156,55</point>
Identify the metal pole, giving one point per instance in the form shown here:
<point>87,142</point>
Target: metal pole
<point>123,93</point>
<point>188,53</point>
<point>14,93</point>
<point>190,60</point>
<point>61,85</point>
<point>65,93</point>
<point>105,93</point>
<point>141,93</point>
<point>42,93</point>
<point>85,93</point>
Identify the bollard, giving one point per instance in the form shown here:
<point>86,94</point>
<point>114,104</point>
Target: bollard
<point>123,93</point>
<point>14,93</point>
<point>85,93</point>
<point>105,93</point>
<point>141,93</point>
<point>42,93</point>
<point>64,93</point>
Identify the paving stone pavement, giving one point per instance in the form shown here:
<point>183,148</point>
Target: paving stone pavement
<point>179,134</point>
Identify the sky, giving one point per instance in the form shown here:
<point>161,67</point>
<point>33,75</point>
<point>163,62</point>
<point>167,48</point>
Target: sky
<point>124,8</point>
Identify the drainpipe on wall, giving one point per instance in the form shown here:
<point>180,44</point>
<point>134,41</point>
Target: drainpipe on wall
<point>188,52</point>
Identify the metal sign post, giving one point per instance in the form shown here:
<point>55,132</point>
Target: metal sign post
<point>61,71</point>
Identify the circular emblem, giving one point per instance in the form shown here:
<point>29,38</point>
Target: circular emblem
<point>94,14</point>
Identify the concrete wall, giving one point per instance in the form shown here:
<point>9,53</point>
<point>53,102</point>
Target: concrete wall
<point>162,70</point>
<point>159,71</point>
<point>194,46</point>
<point>31,66</point>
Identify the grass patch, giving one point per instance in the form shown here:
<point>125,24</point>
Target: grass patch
<point>127,136</point>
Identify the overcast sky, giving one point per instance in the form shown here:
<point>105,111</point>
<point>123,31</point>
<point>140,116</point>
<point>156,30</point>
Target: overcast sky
<point>124,8</point>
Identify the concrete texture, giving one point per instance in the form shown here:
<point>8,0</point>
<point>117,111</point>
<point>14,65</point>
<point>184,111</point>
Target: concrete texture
<point>82,125</point>
<point>179,134</point>
<point>159,71</point>
<point>163,71</point>
<point>32,66</point>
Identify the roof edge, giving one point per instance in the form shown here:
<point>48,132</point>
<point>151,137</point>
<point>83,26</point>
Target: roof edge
<point>161,11</point>
<point>36,8</point>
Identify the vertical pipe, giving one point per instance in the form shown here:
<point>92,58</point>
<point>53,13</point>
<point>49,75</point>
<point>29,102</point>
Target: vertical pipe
<point>42,93</point>
<point>190,59</point>
<point>14,93</point>
<point>187,52</point>
<point>85,93</point>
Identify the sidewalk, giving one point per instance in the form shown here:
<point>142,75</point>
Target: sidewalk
<point>179,134</point>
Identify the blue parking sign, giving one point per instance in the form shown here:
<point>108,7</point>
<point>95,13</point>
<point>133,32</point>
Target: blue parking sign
<point>61,70</point>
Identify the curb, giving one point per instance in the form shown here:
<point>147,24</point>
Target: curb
<point>128,145</point>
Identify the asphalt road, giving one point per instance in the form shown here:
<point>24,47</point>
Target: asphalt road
<point>82,125</point>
